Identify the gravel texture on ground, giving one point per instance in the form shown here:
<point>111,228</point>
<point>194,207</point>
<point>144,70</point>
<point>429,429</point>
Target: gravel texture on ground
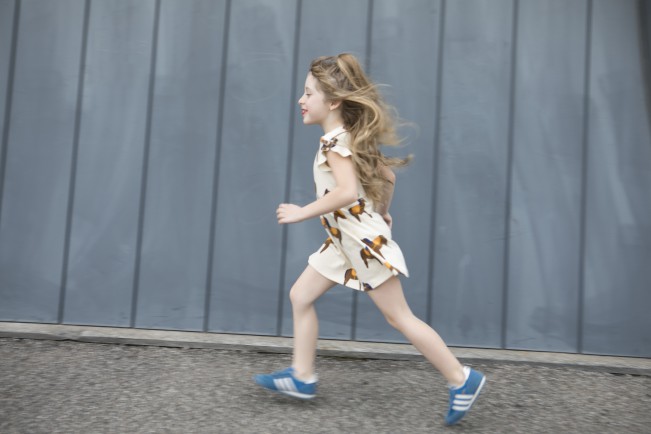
<point>72,387</point>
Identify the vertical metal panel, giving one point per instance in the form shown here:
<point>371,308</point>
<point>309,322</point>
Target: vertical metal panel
<point>252,166</point>
<point>174,256</point>
<point>545,206</point>
<point>32,225</point>
<point>471,193</point>
<point>618,225</point>
<point>393,61</point>
<point>6,30</point>
<point>107,195</point>
<point>325,30</point>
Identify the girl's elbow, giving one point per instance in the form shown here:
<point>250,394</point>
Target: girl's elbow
<point>350,196</point>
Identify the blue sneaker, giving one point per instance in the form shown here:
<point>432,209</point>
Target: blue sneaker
<point>462,398</point>
<point>285,382</point>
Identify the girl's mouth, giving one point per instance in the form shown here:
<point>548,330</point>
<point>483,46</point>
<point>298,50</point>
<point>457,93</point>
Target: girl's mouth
<point>303,111</point>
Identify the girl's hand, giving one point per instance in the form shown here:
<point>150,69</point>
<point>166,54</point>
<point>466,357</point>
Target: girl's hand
<point>289,213</point>
<point>387,218</point>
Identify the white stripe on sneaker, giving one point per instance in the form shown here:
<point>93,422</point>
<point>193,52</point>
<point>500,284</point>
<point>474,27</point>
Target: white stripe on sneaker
<point>465,403</point>
<point>285,384</point>
<point>461,405</point>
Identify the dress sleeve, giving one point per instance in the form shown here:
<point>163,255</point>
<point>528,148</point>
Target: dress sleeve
<point>338,144</point>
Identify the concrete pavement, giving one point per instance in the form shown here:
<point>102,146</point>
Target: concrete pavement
<point>86,380</point>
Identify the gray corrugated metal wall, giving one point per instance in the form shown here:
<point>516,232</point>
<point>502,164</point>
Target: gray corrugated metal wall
<point>146,144</point>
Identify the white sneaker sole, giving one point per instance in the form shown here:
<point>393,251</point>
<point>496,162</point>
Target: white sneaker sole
<point>291,393</point>
<point>298,395</point>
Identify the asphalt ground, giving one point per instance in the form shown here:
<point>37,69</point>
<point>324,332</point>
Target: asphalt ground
<point>62,386</point>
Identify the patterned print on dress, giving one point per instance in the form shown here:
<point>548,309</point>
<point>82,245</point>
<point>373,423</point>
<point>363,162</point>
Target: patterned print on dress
<point>339,215</point>
<point>326,144</point>
<point>366,254</point>
<point>350,274</point>
<point>376,244</point>
<point>333,231</point>
<point>390,267</point>
<point>358,209</point>
<point>326,244</point>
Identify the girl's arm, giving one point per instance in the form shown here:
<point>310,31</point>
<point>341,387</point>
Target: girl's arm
<point>343,194</point>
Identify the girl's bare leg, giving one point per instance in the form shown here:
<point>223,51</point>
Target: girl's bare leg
<point>308,288</point>
<point>391,301</point>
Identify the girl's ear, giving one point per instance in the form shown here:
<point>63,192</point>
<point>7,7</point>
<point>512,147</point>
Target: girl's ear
<point>334,105</point>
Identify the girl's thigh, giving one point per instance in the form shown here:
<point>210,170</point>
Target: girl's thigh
<point>309,286</point>
<point>390,299</point>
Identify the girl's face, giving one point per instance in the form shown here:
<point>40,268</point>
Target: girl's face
<point>314,108</point>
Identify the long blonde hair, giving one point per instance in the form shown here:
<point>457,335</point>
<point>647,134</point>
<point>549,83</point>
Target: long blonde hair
<point>367,117</point>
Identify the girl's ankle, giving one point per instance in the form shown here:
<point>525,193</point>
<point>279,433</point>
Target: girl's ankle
<point>304,376</point>
<point>461,379</point>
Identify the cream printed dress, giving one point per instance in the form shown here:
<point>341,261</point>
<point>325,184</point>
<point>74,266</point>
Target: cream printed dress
<point>359,251</point>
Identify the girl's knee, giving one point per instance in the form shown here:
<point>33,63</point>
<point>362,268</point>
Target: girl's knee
<point>393,321</point>
<point>299,298</point>
<point>398,319</point>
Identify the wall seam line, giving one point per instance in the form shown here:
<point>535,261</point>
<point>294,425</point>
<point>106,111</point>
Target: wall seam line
<point>9,101</point>
<point>145,165</point>
<point>288,180</point>
<point>584,176</point>
<point>436,163</point>
<point>74,162</point>
<point>509,173</point>
<point>218,146</point>
<point>644,36</point>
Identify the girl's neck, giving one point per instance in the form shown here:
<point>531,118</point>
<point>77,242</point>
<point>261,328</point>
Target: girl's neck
<point>334,120</point>
<point>327,128</point>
